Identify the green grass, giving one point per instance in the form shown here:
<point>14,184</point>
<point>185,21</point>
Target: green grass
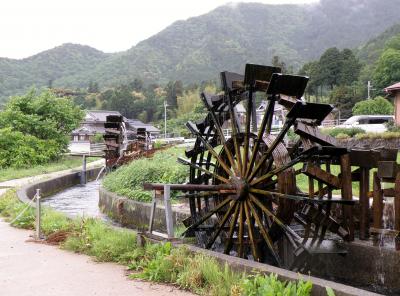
<point>154,262</point>
<point>161,168</point>
<point>67,162</point>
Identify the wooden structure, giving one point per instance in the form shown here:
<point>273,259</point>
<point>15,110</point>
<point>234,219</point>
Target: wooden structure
<point>394,90</point>
<point>244,191</point>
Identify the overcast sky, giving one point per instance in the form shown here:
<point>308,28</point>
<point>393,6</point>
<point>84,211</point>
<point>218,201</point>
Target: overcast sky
<point>30,26</point>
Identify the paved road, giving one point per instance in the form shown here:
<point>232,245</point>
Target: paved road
<point>32,269</point>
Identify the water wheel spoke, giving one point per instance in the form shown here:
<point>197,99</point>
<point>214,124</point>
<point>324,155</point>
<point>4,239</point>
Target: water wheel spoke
<point>241,230</point>
<point>247,131</point>
<point>264,233</point>
<point>234,127</point>
<point>289,122</point>
<point>200,168</point>
<point>267,120</point>
<point>210,149</point>
<point>221,133</point>
<point>208,215</point>
<point>221,225</point>
<point>250,229</point>
<point>275,172</point>
<point>228,245</point>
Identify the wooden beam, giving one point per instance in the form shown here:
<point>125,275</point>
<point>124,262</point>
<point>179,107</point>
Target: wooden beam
<point>320,175</point>
<point>347,193</point>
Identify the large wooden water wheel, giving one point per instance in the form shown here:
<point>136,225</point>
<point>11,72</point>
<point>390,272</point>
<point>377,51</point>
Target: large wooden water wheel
<point>249,202</point>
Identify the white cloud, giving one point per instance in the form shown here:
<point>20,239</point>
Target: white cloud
<point>28,27</point>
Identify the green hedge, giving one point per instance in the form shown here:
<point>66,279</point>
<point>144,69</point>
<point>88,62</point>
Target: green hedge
<point>161,168</point>
<point>341,131</point>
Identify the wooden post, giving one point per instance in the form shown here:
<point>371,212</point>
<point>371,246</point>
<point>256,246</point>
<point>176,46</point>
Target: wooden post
<point>347,194</point>
<point>377,206</point>
<point>397,210</point>
<point>152,212</point>
<point>364,203</point>
<point>168,211</point>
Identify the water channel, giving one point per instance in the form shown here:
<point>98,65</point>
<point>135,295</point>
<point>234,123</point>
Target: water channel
<point>80,200</point>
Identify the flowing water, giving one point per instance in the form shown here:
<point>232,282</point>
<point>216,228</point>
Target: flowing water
<point>80,200</point>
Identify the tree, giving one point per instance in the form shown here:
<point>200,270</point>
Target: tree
<point>171,95</point>
<point>376,106</point>
<point>93,87</point>
<point>330,65</point>
<point>387,71</point>
<point>136,85</point>
<point>35,128</point>
<point>350,68</point>
<point>344,97</point>
<point>277,62</point>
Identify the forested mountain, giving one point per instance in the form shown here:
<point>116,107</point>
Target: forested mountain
<point>47,67</point>
<point>198,48</point>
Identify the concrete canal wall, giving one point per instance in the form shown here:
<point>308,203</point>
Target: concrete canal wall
<point>53,185</point>
<point>135,214</point>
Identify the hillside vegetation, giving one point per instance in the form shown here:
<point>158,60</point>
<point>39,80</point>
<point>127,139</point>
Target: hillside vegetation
<point>198,48</point>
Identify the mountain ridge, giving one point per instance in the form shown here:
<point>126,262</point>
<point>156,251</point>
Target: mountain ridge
<point>198,48</point>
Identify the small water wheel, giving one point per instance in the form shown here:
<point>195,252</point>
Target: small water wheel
<point>251,202</point>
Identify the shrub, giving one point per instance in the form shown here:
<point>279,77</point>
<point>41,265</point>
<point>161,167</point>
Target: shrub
<point>262,285</point>
<point>35,128</point>
<point>161,168</point>
<point>376,106</point>
<point>351,132</point>
<point>385,135</point>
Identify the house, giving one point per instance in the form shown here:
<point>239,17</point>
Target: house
<point>394,90</point>
<point>91,130</point>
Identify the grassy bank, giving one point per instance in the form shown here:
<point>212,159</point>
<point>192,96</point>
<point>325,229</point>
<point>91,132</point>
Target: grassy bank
<point>66,162</point>
<point>154,262</point>
<point>161,168</point>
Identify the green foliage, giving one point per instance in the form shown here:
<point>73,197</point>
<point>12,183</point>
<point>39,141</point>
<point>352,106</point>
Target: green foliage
<point>387,70</point>
<point>342,131</point>
<point>20,214</point>
<point>35,128</point>
<point>344,97</point>
<point>101,241</point>
<point>376,106</point>
<point>329,291</point>
<point>261,285</point>
<point>161,168</point>
<point>385,135</point>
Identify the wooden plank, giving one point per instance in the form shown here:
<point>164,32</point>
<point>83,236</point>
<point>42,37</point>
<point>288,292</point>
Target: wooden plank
<point>387,169</point>
<point>364,203</point>
<point>397,209</point>
<point>313,133</point>
<point>377,205</point>
<point>320,175</point>
<point>347,194</point>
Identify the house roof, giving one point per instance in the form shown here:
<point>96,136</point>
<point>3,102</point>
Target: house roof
<point>135,124</point>
<point>393,88</point>
<point>99,115</point>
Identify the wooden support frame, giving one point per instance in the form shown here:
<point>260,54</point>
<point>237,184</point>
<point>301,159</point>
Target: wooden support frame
<point>347,194</point>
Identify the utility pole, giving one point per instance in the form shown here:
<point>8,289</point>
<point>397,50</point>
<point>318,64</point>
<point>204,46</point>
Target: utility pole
<point>369,87</point>
<point>165,119</point>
